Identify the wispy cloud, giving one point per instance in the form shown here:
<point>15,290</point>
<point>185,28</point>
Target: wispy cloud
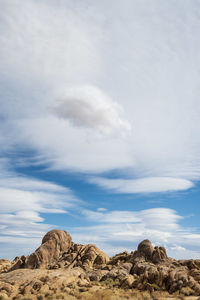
<point>154,81</point>
<point>22,200</point>
<point>40,44</point>
<point>119,66</point>
<point>112,229</point>
<point>143,185</point>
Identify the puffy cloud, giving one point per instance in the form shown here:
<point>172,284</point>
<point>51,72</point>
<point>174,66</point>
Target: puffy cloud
<point>90,107</point>
<point>143,185</point>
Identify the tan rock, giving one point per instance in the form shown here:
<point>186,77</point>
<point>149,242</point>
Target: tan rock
<point>60,265</point>
<point>44,289</point>
<point>27,289</point>
<point>36,285</point>
<point>127,283</point>
<point>6,287</point>
<point>3,296</point>
<point>53,244</point>
<point>5,265</point>
<point>146,249</point>
<point>97,275</point>
<point>159,254</point>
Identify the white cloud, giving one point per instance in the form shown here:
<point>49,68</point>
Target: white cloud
<point>27,183</point>
<point>47,43</point>
<point>143,185</point>
<point>145,58</point>
<point>111,217</point>
<point>183,252</point>
<point>22,200</point>
<point>75,48</point>
<point>90,107</point>
<point>150,217</point>
<point>101,209</point>
<point>68,147</point>
<point>161,225</point>
<point>21,193</point>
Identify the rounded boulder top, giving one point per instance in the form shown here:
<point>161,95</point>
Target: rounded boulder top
<point>61,236</point>
<point>146,248</point>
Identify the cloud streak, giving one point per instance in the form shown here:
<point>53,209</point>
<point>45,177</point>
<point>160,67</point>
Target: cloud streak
<point>22,201</point>
<point>154,81</point>
<point>111,229</point>
<point>73,80</point>
<point>143,185</point>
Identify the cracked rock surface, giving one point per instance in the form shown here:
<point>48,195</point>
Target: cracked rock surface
<point>62,269</point>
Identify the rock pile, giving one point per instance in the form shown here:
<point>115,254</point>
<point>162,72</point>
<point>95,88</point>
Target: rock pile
<point>5,265</point>
<point>58,251</point>
<point>146,269</point>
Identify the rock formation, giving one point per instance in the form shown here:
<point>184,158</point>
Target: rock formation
<point>61,265</point>
<point>5,265</point>
<point>57,251</point>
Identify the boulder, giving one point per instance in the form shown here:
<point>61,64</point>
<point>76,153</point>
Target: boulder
<point>145,249</point>
<point>58,251</point>
<point>59,264</point>
<point>97,275</point>
<point>120,258</point>
<point>5,265</point>
<point>128,281</point>
<point>53,244</point>
<point>159,254</point>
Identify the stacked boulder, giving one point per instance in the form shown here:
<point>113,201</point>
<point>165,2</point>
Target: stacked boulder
<point>58,251</point>
<point>146,269</point>
<point>150,269</point>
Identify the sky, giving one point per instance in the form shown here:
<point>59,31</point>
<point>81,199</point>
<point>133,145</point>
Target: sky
<point>99,124</point>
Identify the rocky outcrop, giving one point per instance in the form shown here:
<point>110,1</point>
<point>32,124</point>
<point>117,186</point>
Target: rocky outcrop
<point>147,270</point>
<point>5,265</point>
<point>54,243</point>
<point>84,256</point>
<point>58,251</point>
<point>147,252</point>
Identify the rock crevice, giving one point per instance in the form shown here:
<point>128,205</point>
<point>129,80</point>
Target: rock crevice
<point>146,269</point>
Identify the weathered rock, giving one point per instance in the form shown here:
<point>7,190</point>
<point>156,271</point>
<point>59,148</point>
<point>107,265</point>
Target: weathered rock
<point>59,265</point>
<point>145,249</point>
<point>90,255</point>
<point>6,288</point>
<point>159,254</point>
<point>5,265</point>
<point>127,283</point>
<point>3,296</point>
<point>117,272</point>
<point>120,258</point>
<point>44,289</point>
<point>97,275</point>
<point>58,251</point>
<point>53,244</point>
<point>26,290</point>
<point>19,262</point>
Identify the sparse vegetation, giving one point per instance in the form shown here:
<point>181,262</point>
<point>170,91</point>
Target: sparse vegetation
<point>143,274</point>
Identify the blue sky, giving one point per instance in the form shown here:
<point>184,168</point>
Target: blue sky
<point>99,123</point>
